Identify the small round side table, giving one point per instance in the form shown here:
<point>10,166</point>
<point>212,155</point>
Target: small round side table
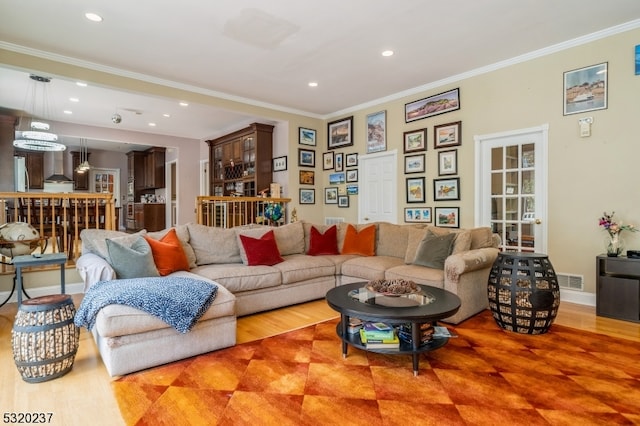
<point>523,292</point>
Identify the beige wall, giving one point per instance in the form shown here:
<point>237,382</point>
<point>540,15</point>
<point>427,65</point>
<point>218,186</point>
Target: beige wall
<point>586,175</point>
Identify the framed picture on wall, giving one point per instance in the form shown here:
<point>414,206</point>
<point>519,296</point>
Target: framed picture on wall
<point>331,195</point>
<point>306,136</point>
<point>352,160</point>
<point>327,160</point>
<point>433,105</point>
<point>414,163</point>
<point>447,217</point>
<point>352,175</point>
<point>415,140</point>
<point>307,196</point>
<point>417,214</point>
<point>307,177</point>
<point>343,201</point>
<point>446,189</point>
<point>415,190</point>
<point>340,133</point>
<point>306,157</point>
<point>585,89</point>
<point>448,162</point>
<point>449,134</point>
<point>377,132</point>
<point>338,162</point>
<point>280,164</point>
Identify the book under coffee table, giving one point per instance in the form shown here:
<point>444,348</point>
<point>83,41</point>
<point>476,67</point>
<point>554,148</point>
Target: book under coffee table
<point>428,305</point>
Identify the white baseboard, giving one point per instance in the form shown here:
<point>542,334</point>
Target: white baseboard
<point>71,288</point>
<point>578,297</point>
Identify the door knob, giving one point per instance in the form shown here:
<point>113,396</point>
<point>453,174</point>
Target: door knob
<point>366,218</point>
<point>538,221</point>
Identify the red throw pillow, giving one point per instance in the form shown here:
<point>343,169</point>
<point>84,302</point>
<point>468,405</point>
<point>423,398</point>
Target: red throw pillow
<point>261,251</point>
<point>168,254</point>
<point>326,243</point>
<point>362,243</point>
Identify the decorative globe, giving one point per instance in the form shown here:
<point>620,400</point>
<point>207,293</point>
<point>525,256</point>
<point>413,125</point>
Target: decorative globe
<point>18,238</point>
<point>273,211</point>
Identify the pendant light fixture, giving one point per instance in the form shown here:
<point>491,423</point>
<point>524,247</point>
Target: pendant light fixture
<point>84,165</point>
<point>37,135</point>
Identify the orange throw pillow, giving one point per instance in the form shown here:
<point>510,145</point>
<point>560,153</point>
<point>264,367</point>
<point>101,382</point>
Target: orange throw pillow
<point>168,253</point>
<point>362,243</point>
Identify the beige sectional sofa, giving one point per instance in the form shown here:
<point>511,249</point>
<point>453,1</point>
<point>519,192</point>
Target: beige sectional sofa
<point>131,340</point>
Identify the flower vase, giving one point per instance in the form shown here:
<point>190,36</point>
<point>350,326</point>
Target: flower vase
<point>614,244</point>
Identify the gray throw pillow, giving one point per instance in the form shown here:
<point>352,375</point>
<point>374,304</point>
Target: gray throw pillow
<point>434,249</point>
<point>132,262</point>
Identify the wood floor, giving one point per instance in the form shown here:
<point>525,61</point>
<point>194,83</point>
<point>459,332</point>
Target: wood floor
<point>84,395</point>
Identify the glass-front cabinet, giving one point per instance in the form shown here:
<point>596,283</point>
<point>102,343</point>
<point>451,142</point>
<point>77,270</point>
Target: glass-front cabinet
<point>241,161</point>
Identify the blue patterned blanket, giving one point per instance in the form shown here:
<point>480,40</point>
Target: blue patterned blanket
<point>178,301</point>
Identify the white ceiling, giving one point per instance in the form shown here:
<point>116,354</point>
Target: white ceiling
<point>266,52</point>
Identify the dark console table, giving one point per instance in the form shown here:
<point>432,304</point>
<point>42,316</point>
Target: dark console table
<point>618,288</point>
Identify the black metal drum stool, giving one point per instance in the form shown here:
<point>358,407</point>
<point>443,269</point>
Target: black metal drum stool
<point>523,292</point>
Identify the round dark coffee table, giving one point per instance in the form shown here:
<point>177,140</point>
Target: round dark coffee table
<point>428,306</point>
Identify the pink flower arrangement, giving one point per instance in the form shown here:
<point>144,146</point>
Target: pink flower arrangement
<point>613,228</point>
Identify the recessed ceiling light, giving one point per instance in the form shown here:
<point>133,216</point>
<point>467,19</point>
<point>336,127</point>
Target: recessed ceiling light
<point>313,84</point>
<point>81,84</point>
<point>66,111</point>
<point>152,124</point>
<point>166,115</point>
<point>93,17</point>
<point>74,99</point>
<point>387,53</point>
<point>184,104</point>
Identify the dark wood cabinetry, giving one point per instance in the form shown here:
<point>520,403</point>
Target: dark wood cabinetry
<point>145,169</point>
<point>618,288</point>
<point>34,161</point>
<point>241,161</point>
<point>135,163</point>
<point>154,168</point>
<point>80,180</point>
<point>149,216</point>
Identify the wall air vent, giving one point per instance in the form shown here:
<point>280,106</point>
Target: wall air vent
<point>333,220</point>
<point>571,281</point>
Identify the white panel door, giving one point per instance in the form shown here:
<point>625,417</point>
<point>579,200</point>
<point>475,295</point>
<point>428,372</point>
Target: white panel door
<point>378,188</point>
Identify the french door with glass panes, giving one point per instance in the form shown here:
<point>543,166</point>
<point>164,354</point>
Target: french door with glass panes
<point>511,187</point>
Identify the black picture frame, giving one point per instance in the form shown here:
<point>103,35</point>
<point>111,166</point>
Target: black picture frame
<point>447,189</point>
<point>306,158</point>
<point>343,201</point>
<point>340,133</point>
<point>331,195</point>
<point>441,103</point>
<point>280,164</point>
<point>447,217</point>
<point>307,196</point>
<point>416,190</point>
<point>307,136</point>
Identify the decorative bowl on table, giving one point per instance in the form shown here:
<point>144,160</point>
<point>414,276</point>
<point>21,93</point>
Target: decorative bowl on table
<point>18,238</point>
<point>395,287</point>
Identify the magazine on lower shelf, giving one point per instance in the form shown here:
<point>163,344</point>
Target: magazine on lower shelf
<point>393,343</point>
